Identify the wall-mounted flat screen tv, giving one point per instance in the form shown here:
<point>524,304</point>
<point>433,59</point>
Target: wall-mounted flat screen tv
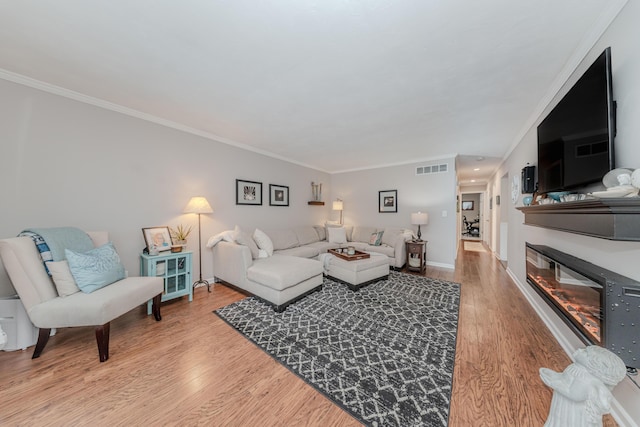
<point>575,141</point>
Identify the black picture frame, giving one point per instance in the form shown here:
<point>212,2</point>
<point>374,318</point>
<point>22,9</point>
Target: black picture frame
<point>388,201</point>
<point>248,192</point>
<point>467,205</point>
<point>278,195</point>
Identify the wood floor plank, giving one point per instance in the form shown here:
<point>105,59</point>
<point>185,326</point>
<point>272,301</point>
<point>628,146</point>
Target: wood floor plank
<point>194,369</point>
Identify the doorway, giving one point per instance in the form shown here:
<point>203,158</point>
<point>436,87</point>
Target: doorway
<point>471,216</point>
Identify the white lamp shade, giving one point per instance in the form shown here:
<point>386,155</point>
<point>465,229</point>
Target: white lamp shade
<point>198,205</point>
<point>337,205</point>
<point>419,218</point>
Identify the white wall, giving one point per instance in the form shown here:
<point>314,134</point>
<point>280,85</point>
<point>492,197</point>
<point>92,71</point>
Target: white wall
<point>66,163</point>
<point>621,257</point>
<point>431,193</point>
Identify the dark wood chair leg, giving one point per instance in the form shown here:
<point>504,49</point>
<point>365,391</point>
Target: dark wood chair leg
<point>43,338</point>
<point>157,300</point>
<point>102,337</point>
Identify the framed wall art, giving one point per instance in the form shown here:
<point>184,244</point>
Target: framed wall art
<point>278,195</point>
<point>157,238</point>
<point>248,192</point>
<point>467,205</point>
<point>388,201</point>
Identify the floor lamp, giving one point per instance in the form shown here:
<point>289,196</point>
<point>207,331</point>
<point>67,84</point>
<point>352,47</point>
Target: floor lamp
<point>199,205</point>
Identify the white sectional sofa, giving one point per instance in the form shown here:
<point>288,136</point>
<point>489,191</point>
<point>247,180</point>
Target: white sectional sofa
<point>293,270</point>
<point>309,242</point>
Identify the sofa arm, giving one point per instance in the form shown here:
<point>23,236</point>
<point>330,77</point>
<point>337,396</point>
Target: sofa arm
<point>231,261</point>
<point>400,250</point>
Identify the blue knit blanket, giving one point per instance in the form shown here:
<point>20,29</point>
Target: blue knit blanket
<point>51,242</point>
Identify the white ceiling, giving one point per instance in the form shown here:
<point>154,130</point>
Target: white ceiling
<point>332,84</point>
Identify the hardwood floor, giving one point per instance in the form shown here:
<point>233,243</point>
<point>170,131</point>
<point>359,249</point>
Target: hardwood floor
<point>193,369</point>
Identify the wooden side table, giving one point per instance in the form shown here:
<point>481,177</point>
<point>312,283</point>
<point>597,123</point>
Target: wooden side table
<point>417,255</point>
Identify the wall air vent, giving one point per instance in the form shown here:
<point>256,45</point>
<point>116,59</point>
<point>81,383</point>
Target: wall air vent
<point>423,170</point>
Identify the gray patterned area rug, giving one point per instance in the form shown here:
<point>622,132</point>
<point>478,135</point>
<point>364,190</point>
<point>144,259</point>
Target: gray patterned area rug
<point>385,354</point>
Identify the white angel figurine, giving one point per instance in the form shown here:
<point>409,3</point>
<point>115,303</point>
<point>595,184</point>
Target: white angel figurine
<point>582,392</point>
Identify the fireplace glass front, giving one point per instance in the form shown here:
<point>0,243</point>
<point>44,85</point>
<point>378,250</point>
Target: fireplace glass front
<point>578,299</point>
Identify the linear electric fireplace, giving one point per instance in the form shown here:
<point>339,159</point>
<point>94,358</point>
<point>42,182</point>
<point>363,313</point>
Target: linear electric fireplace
<point>600,306</point>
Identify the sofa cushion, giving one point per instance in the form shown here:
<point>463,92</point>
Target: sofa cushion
<point>281,271</point>
<point>391,235</point>
<point>282,239</point>
<point>324,246</point>
<point>306,235</point>
<point>365,247</point>
<point>96,268</point>
<point>301,251</point>
<point>96,308</point>
<point>376,238</point>
<point>62,278</point>
<point>322,232</point>
<point>263,241</point>
<point>336,235</point>
<point>362,234</point>
<point>244,239</point>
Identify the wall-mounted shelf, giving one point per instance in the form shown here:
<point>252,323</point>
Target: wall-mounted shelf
<point>613,219</point>
<point>315,203</point>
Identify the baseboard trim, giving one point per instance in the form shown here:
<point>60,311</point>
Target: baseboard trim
<point>441,265</point>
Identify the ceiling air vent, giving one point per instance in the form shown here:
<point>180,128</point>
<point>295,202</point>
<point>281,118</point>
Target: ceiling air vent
<point>423,170</point>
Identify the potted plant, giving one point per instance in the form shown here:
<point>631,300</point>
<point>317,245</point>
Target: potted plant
<point>179,234</point>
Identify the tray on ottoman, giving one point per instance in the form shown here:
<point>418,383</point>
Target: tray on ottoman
<point>356,256</point>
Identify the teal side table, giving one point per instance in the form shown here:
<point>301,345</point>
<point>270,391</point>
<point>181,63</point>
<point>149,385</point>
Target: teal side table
<point>174,268</point>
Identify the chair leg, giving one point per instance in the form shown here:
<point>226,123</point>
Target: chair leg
<point>43,338</point>
<point>157,300</point>
<point>102,337</point>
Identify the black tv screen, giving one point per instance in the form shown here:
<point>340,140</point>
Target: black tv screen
<point>575,141</point>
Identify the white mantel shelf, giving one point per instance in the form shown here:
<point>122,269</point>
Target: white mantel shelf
<point>613,219</point>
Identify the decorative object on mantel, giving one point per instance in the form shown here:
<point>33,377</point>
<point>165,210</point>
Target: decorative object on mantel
<point>619,183</point>
<point>420,218</point>
<point>199,205</point>
<point>338,205</point>
<point>582,392</point>
<point>388,201</point>
<point>528,179</point>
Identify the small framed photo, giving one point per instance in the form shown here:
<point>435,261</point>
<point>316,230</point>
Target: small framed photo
<point>157,238</point>
<point>467,205</point>
<point>278,195</point>
<point>388,201</point>
<point>248,192</point>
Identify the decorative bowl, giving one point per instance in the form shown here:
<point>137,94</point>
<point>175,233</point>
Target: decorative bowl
<point>555,195</point>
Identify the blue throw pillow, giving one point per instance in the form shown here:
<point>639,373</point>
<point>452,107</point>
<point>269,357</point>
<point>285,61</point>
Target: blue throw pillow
<point>96,268</point>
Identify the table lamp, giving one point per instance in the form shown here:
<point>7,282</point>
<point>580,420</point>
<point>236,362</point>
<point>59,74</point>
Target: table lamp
<point>338,206</point>
<point>419,218</point>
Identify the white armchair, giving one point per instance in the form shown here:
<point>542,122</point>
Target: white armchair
<point>47,310</point>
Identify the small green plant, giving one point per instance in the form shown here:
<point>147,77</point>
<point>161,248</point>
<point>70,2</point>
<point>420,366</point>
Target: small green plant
<point>180,233</point>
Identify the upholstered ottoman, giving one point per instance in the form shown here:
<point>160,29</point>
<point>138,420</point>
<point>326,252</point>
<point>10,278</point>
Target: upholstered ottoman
<point>283,279</point>
<point>357,274</point>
